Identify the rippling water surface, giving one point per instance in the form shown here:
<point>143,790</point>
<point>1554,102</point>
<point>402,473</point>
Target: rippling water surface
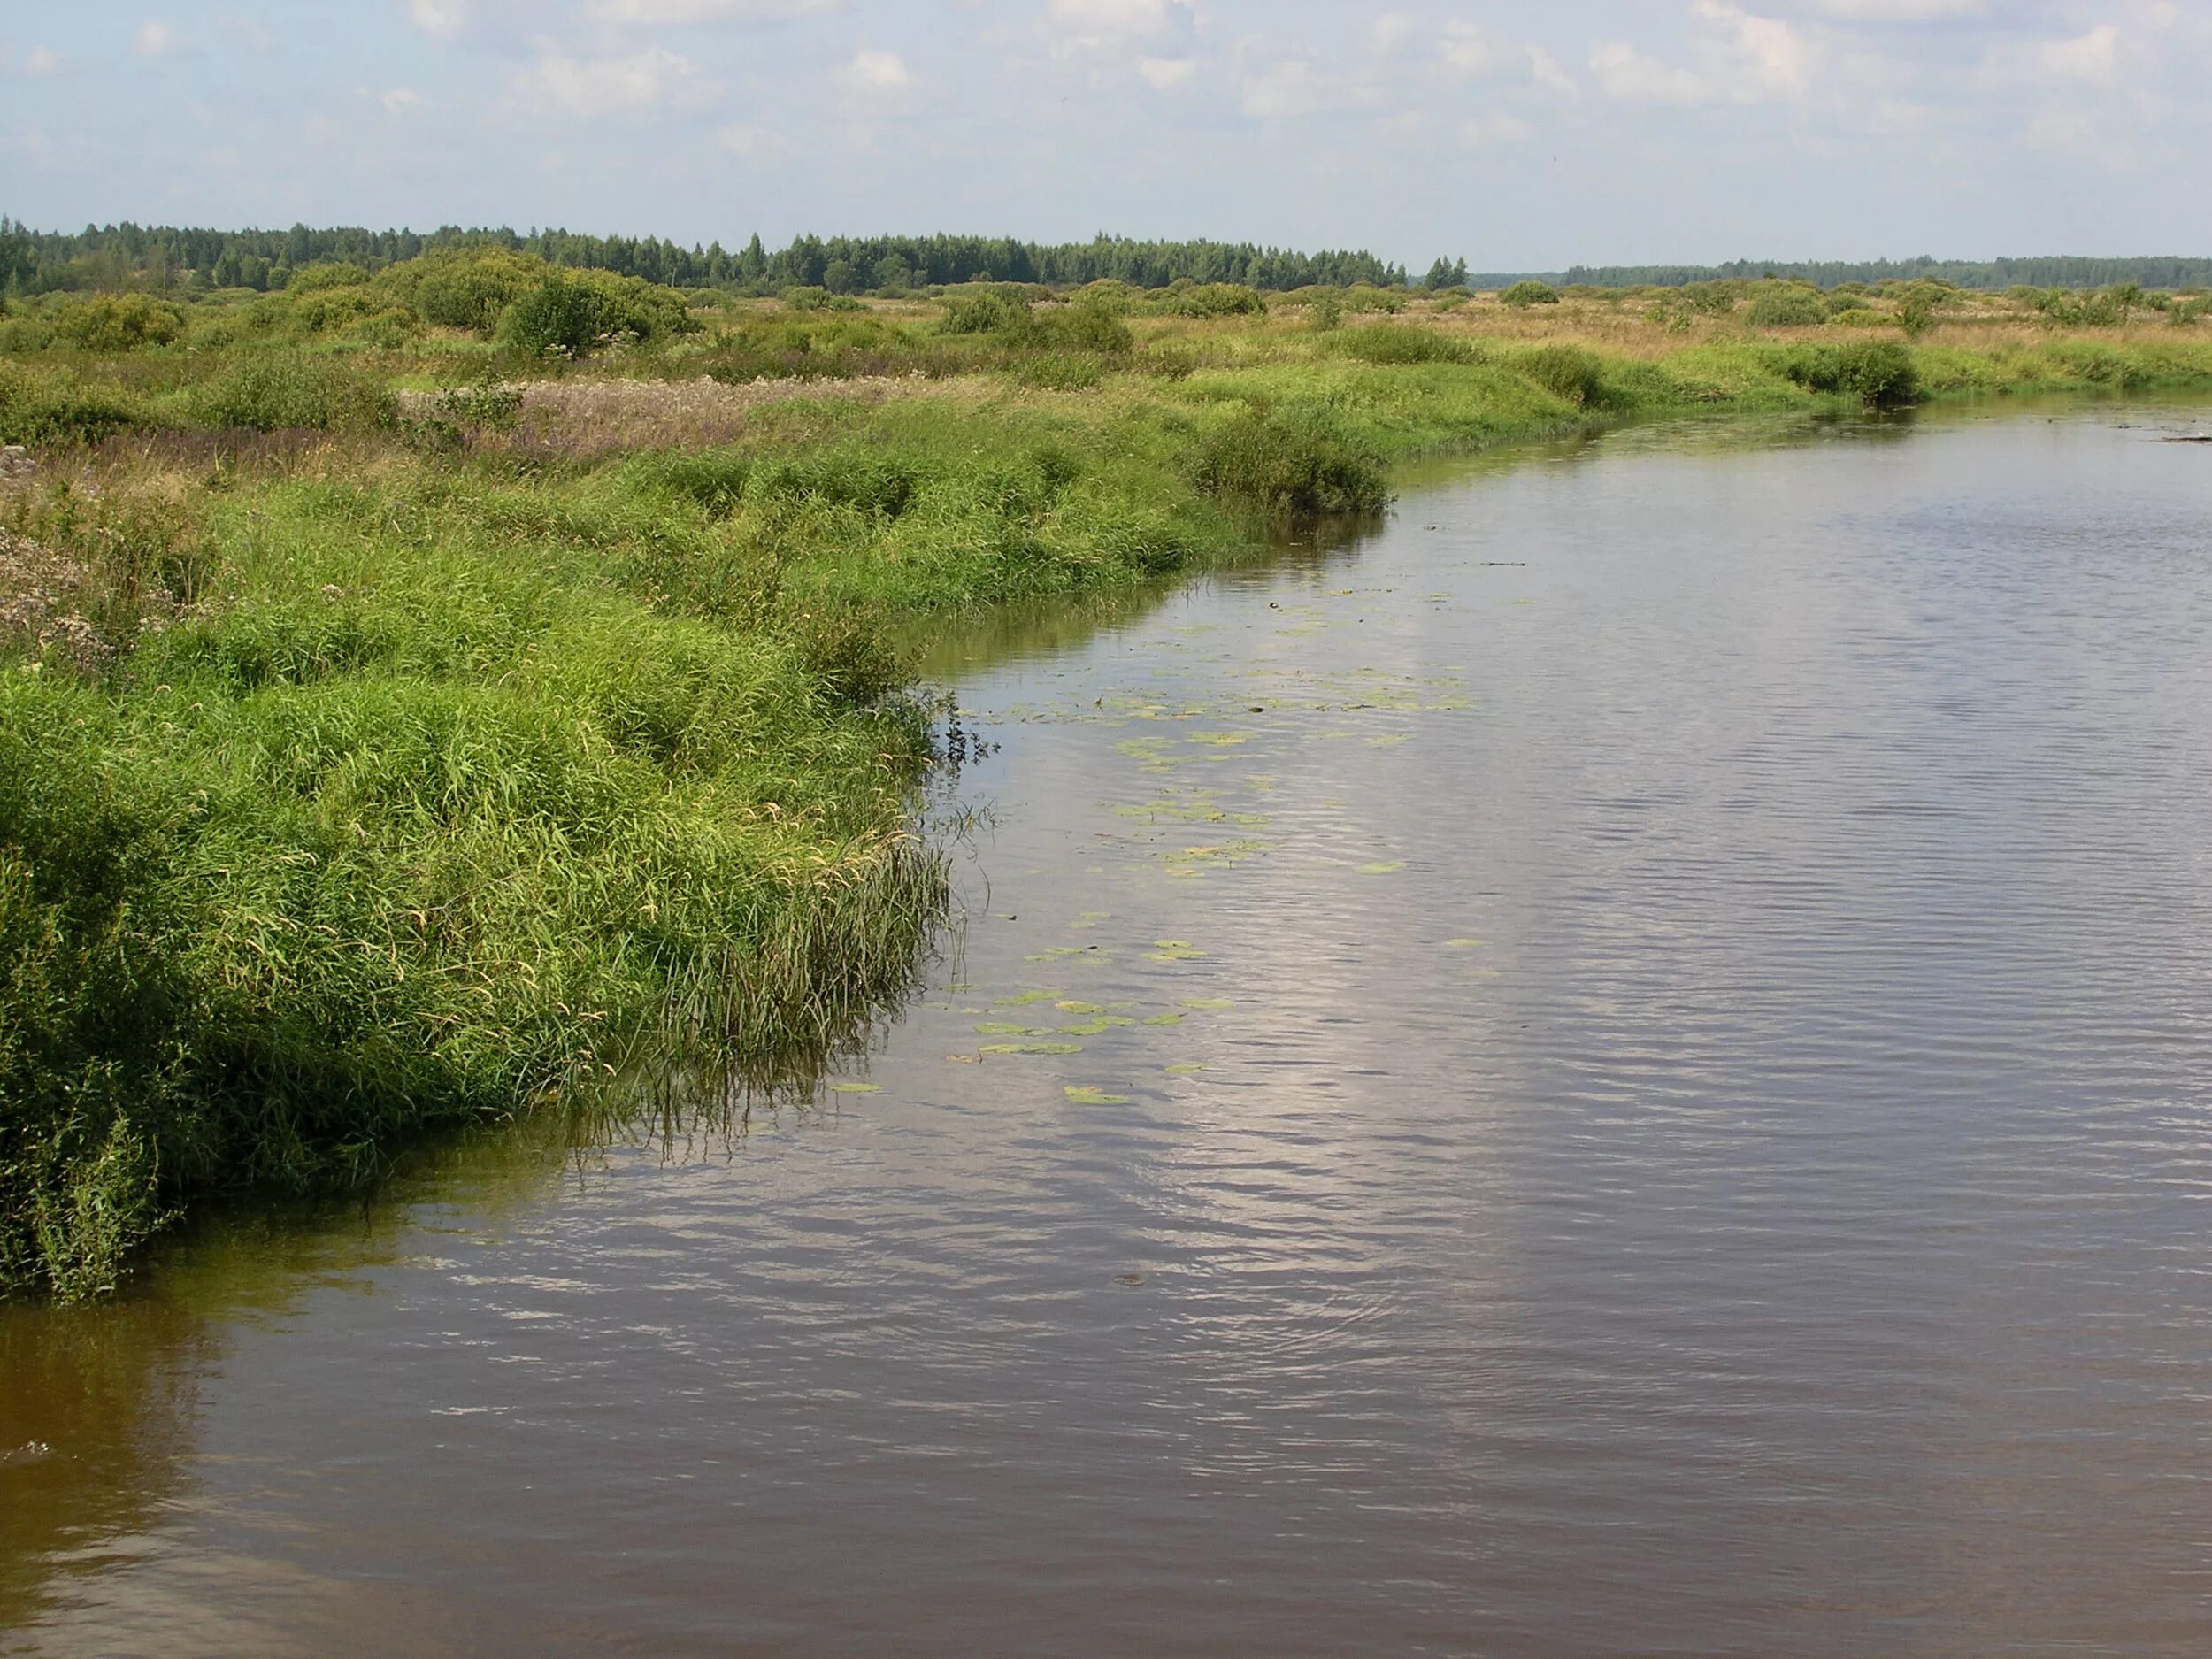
<point>1624,1068</point>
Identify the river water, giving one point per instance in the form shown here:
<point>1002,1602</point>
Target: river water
<point>1622,1066</point>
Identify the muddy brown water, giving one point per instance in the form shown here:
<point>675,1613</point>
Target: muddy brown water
<point>1622,1066</point>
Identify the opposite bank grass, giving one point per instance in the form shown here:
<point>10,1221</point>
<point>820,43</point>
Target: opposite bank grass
<point>367,778</point>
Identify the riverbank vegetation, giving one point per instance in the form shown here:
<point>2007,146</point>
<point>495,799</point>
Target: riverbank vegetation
<point>444,690</point>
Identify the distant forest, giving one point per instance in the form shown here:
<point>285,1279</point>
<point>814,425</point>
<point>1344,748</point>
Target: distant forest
<point>158,256</point>
<point>2057,271</point>
<point>165,256</point>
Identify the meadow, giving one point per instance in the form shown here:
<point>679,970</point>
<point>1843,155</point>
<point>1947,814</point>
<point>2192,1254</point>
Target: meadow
<point>463,689</point>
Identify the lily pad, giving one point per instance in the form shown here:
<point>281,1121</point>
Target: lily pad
<point>1210,1004</point>
<point>1032,1048</point>
<point>1387,867</point>
<point>856,1088</point>
<point>1184,1070</point>
<point>1083,1096</point>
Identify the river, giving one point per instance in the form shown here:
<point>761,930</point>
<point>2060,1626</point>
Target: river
<point>1622,1065</point>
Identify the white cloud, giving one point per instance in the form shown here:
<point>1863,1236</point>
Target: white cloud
<point>158,40</point>
<point>591,87</point>
<point>1289,88</point>
<point>440,19</point>
<point>1742,58</point>
<point>42,61</point>
<point>657,12</point>
<point>876,77</point>
<point>1097,26</point>
<point>1629,76</point>
<point>1161,74</point>
<point>399,100</point>
<point>1468,51</point>
<point>1773,52</point>
<point>2093,57</point>
<point>1496,126</point>
<point>1896,11</point>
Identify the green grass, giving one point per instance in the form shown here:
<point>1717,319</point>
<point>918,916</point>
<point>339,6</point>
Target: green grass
<point>389,781</point>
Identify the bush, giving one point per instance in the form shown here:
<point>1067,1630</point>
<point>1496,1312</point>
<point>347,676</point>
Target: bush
<point>310,278</point>
<point>818,299</point>
<point>1789,307</point>
<point>50,408</point>
<point>283,391</point>
<point>1289,466</point>
<point>1365,297</point>
<point>1529,292</point>
<point>576,313</point>
<point>1085,328</point>
<point>1879,373</point>
<point>465,288</point>
<point>1212,299</point>
<point>118,322</point>
<point>989,311</point>
<point>1567,372</point>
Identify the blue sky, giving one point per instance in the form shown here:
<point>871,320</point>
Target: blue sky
<point>1517,136</point>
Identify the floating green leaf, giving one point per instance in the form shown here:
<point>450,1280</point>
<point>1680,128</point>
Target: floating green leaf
<point>856,1088</point>
<point>1389,867</point>
<point>1032,1048</point>
<point>1085,1097</point>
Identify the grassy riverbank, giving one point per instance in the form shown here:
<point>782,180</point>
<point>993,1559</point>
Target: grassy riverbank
<point>398,725</point>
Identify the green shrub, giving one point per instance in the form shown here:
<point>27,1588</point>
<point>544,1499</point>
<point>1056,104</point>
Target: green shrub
<point>573,314</point>
<point>1211,299</point>
<point>313,278</point>
<point>1365,297</point>
<point>1529,292</point>
<point>281,391</point>
<point>44,405</point>
<point>1787,307</point>
<point>1289,465</point>
<point>819,299</point>
<point>118,322</point>
<point>1567,372</point>
<point>1085,328</point>
<point>1880,373</point>
<point>1005,311</point>
<point>463,289</point>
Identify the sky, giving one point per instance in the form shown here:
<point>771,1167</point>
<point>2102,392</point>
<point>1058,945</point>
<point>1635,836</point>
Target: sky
<point>1517,137</point>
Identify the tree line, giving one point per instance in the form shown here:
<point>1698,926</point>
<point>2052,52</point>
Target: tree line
<point>114,257</point>
<point>2049,272</point>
